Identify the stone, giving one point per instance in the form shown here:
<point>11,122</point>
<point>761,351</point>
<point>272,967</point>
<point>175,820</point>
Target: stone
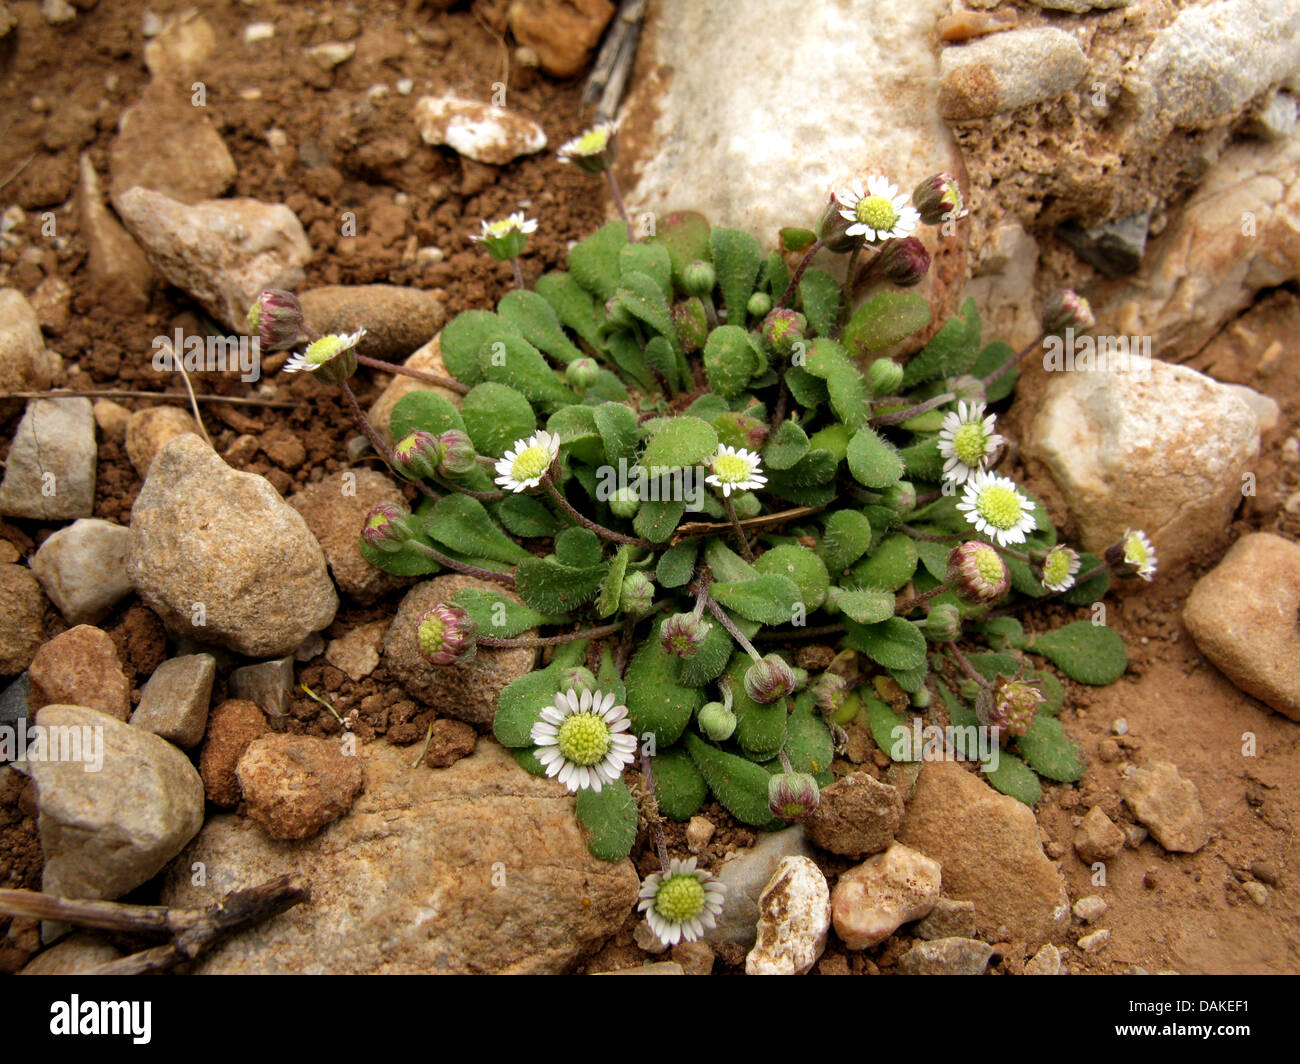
<point>148,431</point>
<point>1090,909</point>
<point>181,47</point>
<point>449,741</point>
<point>166,144</point>
<point>175,701</point>
<point>232,727</point>
<point>948,919</point>
<point>105,832</point>
<point>427,359</point>
<point>1168,804</point>
<point>397,320</point>
<point>946,956</point>
<point>25,365</point>
<point>658,968</point>
<point>1047,961</point>
<point>58,12</point>
<point>1265,408</point>
<point>411,880</point>
<point>294,785</point>
<point>1097,838</point>
<point>335,509</point>
<point>211,545</point>
<point>220,252</point>
<point>989,847</point>
<point>794,914</point>
<point>83,569</point>
<point>745,876</point>
<point>1113,248</point>
<point>357,652</point>
<point>1007,71</point>
<point>13,701</point>
<point>267,684</point>
<point>22,618</point>
<point>696,958</point>
<point>1277,118</point>
<point>1163,452</point>
<point>116,265</point>
<point>80,667</point>
<point>964,25</point>
<point>1094,942</point>
<point>1243,617</point>
<point>857,815</point>
<point>50,470</point>
<point>563,33</point>
<point>52,302</point>
<point>469,691</point>
<point>1080,7</point>
<point>874,899</point>
<point>699,830</point>
<point>476,130</point>
<point>74,955</point>
<point>330,54</point>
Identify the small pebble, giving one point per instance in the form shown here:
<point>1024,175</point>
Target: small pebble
<point>1257,891</point>
<point>1089,909</point>
<point>258,31</point>
<point>1120,726</point>
<point>1094,942</point>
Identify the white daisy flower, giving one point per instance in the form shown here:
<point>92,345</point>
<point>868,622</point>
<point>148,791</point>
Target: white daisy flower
<point>735,469</point>
<point>1059,568</point>
<point>879,213</point>
<point>322,352</point>
<point>1139,553</point>
<point>590,150</point>
<point>682,903</point>
<point>995,507</point>
<point>523,467</point>
<point>581,739</point>
<point>503,227</point>
<point>967,441</point>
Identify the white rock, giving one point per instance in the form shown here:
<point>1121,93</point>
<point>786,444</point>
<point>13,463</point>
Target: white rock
<point>477,130</point>
<point>873,900</point>
<point>25,365</point>
<point>332,53</point>
<point>1164,454</point>
<point>357,652</point>
<point>1007,71</point>
<point>83,569</point>
<point>50,471</point>
<point>1267,411</point>
<point>1095,942</point>
<point>746,875</point>
<point>794,914</point>
<point>1047,961</point>
<point>258,31</point>
<point>1090,909</point>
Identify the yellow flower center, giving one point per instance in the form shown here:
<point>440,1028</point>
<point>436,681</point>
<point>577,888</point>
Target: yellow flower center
<point>680,898</point>
<point>592,142</point>
<point>327,347</point>
<point>877,212</point>
<point>583,738</point>
<point>730,468</point>
<point>970,443</point>
<point>531,463</point>
<point>1000,506</point>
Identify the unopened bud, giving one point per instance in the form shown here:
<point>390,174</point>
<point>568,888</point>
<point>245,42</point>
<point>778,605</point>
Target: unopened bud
<point>885,377</point>
<point>939,199</point>
<point>699,278</point>
<point>759,305</point>
<point>769,680</point>
<point>458,454</point>
<point>417,455</point>
<point>943,623</point>
<point>446,635</point>
<point>793,796</point>
<point>276,320</point>
<point>683,633</point>
<point>784,328</point>
<point>1067,310</point>
<point>625,502</point>
<point>832,229</point>
<point>716,721</point>
<point>582,373</point>
<point>638,593</point>
<point>386,528</point>
<point>905,262</point>
<point>977,572</point>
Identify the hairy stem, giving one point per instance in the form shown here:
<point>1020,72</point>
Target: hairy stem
<point>799,271</point>
<point>914,411</point>
<point>461,567</point>
<point>740,532</point>
<point>586,522</point>
<point>417,374</point>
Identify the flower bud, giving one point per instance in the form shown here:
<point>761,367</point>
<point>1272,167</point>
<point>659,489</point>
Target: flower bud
<point>793,795</point>
<point>900,496</point>
<point>699,278</point>
<point>939,199</point>
<point>831,229</point>
<point>332,358</point>
<point>577,678</point>
<point>760,303</point>
<point>1059,568</point>
<point>885,377</point>
<point>905,262</point>
<point>746,504</point>
<point>276,320</point>
<point>716,721</point>
<point>1133,555</point>
<point>617,315</point>
<point>692,324</point>
<point>625,502</point>
<point>446,635</point>
<point>1067,310</point>
<point>969,388</point>
<point>386,528</point>
<point>458,454</point>
<point>682,634</point>
<point>582,373</point>
<point>977,572</point>
<point>943,623</point>
<point>417,455</point>
<point>740,430</point>
<point>1014,705</point>
<point>769,680</point>
<point>829,691</point>
<point>638,593</point>
<point>784,328</point>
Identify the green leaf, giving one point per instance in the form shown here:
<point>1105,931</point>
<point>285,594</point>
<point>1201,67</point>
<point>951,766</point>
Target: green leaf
<point>495,417</point>
<point>992,358</point>
<point>657,521</point>
<point>739,784</point>
<point>850,397</point>
<point>1013,777</point>
<point>679,787</point>
<point>657,700</point>
<point>934,556</point>
<point>610,817</point>
<point>465,336</point>
<point>526,517</point>
<point>424,410</point>
<point>661,358</point>
<point>526,758</point>
<point>686,236</point>
<point>890,566</point>
<point>500,617</point>
<point>463,524</point>
<point>517,363</point>
<point>1051,752</point>
<point>729,360</point>
<point>710,659</point>
<point>576,427</point>
<point>873,460</point>
<point>553,588</point>
<point>520,706</point>
<point>788,444</point>
<point>612,588</point>
<point>864,605</point>
<point>533,316</point>
<point>808,391</point>
<point>891,731</point>
<point>1090,590</point>
<point>736,258</point>
<point>405,562</point>
<point>676,565</point>
<point>893,643</point>
<point>819,293</point>
<point>951,352</point>
<point>808,741</point>
<point>594,262</point>
<point>681,441</point>
<point>618,430</point>
<point>845,538</point>
<point>652,260</point>
<point>803,567</point>
<point>769,599</point>
<point>579,548</point>
<point>887,319</point>
<point>922,460</point>
<point>1086,652</point>
<point>573,305</point>
<point>644,299</point>
<point>796,239</point>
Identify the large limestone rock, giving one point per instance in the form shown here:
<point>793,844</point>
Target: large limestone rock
<point>50,469</point>
<point>221,558</point>
<point>1163,453</point>
<point>475,868</point>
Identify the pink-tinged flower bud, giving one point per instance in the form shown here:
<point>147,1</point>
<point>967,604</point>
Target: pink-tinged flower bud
<point>386,528</point>
<point>682,634</point>
<point>446,635</point>
<point>582,373</point>
<point>417,455</point>
<point>692,324</point>
<point>638,593</point>
<point>769,680</point>
<point>740,430</point>
<point>458,454</point>
<point>1014,705</point>
<point>831,229</point>
<point>793,796</point>
<point>1067,310</point>
<point>939,199</point>
<point>276,320</point>
<point>577,678</point>
<point>977,572</point>
<point>784,328</point>
<point>829,691</point>
<point>759,305</point>
<point>905,262</point>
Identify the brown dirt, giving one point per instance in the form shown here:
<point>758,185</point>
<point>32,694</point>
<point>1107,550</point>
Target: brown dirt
<point>1187,913</point>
